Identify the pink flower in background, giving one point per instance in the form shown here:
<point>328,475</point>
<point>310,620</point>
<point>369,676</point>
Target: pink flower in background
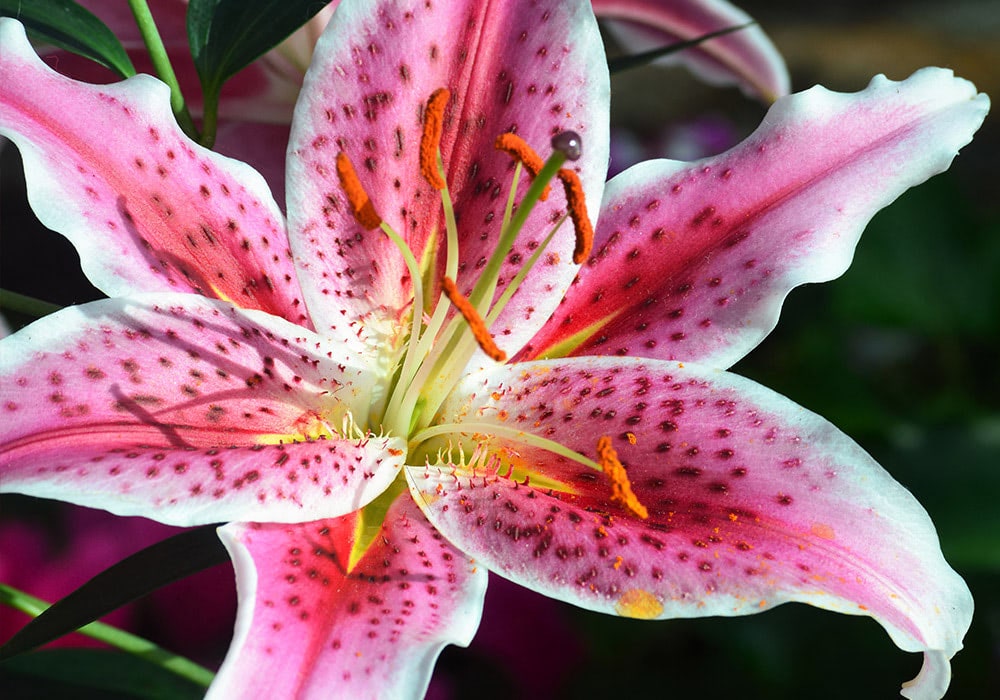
<point>310,381</point>
<point>79,543</point>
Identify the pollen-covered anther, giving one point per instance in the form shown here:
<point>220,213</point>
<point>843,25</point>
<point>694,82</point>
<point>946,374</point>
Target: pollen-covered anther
<point>430,140</point>
<point>361,206</point>
<point>476,324</point>
<point>621,489</point>
<point>518,149</point>
<point>578,213</point>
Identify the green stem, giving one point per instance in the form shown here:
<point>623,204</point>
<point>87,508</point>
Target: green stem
<point>210,116</point>
<point>510,433</point>
<point>137,646</point>
<point>161,62</point>
<point>29,306</point>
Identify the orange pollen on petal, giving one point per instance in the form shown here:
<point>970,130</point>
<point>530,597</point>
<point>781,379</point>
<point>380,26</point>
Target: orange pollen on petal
<point>578,212</point>
<point>361,205</point>
<point>476,324</point>
<point>621,489</point>
<point>518,149</point>
<point>430,140</point>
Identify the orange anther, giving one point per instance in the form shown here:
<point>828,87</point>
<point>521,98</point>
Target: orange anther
<point>361,205</point>
<point>430,140</point>
<point>621,489</point>
<point>518,149</point>
<point>578,212</point>
<point>476,324</point>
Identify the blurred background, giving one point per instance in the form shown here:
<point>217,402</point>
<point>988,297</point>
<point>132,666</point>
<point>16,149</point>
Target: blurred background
<point>900,353</point>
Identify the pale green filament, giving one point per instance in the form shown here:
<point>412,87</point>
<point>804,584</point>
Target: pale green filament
<point>451,270</point>
<point>407,391</point>
<point>449,336</point>
<point>410,357</point>
<point>512,434</point>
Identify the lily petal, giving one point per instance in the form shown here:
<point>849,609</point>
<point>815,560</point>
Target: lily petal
<point>146,208</point>
<point>693,260</point>
<point>746,58</point>
<point>534,68</point>
<point>752,502</point>
<point>175,407</point>
<point>309,628</point>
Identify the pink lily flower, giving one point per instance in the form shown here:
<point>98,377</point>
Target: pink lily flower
<point>312,382</point>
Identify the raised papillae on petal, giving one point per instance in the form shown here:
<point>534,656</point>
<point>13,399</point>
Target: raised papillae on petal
<point>311,627</point>
<point>693,261</point>
<point>752,501</point>
<point>190,411</point>
<point>746,57</point>
<point>534,68</point>
<point>146,208</point>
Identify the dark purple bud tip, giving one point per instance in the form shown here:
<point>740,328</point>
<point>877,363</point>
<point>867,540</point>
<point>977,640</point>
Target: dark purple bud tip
<point>569,143</point>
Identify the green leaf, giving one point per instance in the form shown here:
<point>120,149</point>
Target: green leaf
<point>228,35</point>
<point>622,63</point>
<point>133,577</point>
<point>69,26</point>
<point>91,674</point>
<point>23,304</point>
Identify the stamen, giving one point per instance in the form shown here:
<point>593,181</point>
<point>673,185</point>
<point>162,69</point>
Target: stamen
<point>518,149</point>
<point>430,140</point>
<point>621,489</point>
<point>361,206</point>
<point>476,324</point>
<point>578,212</point>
